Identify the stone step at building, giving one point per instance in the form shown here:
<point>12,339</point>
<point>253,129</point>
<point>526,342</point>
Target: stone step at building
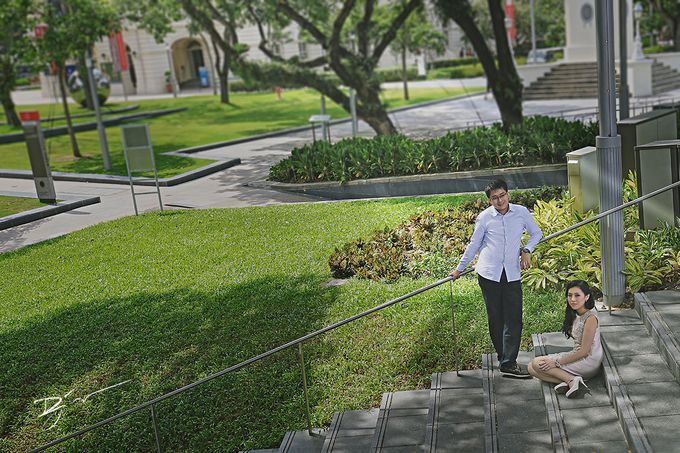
<point>633,404</point>
<point>566,81</point>
<point>664,78</point>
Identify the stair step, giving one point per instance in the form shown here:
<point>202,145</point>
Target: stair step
<point>350,432</point>
<point>456,413</point>
<point>516,417</point>
<point>584,424</point>
<point>301,442</point>
<point>660,312</point>
<point>401,423</point>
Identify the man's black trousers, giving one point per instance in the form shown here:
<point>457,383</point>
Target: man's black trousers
<point>504,311</point>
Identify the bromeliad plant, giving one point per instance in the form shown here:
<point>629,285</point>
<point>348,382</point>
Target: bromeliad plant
<point>539,140</point>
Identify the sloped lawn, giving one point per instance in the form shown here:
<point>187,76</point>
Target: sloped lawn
<point>161,300</point>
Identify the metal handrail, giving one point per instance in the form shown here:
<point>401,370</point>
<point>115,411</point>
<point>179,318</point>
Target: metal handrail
<point>299,341</point>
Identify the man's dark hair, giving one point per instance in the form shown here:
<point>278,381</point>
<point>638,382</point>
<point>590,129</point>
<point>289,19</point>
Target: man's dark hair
<point>494,185</point>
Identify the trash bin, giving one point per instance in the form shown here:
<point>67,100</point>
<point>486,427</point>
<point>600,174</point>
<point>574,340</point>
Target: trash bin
<point>583,178</point>
<point>645,128</point>
<point>657,164</point>
<point>203,76</point>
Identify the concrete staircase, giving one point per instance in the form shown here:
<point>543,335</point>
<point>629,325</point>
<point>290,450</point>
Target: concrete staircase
<point>633,405</point>
<point>566,81</point>
<point>664,78</point>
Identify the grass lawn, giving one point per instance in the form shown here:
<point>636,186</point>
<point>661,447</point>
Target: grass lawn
<point>205,121</point>
<point>161,300</point>
<point>14,205</point>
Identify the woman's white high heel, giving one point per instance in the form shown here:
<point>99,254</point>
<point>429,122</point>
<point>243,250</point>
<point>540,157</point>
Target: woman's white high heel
<point>577,388</point>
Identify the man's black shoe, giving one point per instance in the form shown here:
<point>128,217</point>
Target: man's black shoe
<point>515,371</point>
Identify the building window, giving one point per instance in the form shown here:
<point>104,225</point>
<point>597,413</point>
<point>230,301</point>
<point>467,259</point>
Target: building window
<point>302,49</point>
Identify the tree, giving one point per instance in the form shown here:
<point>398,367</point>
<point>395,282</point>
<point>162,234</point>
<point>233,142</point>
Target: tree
<point>670,11</point>
<point>73,28</point>
<point>14,42</point>
<point>500,71</point>
<point>415,34</point>
<point>327,22</point>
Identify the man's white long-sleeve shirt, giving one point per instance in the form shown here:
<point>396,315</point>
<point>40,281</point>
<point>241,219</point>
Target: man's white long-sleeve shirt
<point>497,238</point>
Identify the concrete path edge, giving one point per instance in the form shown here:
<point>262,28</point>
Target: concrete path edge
<point>111,179</point>
<point>45,211</point>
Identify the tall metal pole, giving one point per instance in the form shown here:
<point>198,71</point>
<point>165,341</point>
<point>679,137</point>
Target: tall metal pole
<point>171,66</point>
<point>624,95</point>
<point>533,31</point>
<point>608,145</point>
<point>353,96</point>
<point>98,114</point>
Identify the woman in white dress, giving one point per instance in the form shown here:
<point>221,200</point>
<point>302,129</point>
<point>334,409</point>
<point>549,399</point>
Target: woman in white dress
<point>568,369</point>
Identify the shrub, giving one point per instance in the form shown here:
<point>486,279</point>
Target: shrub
<point>452,62</point>
<point>538,140</point>
<point>428,244</point>
<point>431,243</point>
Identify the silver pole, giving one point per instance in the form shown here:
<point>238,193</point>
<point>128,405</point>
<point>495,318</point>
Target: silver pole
<point>624,95</point>
<point>98,114</point>
<point>608,145</point>
<point>156,432</point>
<point>304,386</point>
<point>456,359</point>
<point>533,31</point>
<point>353,111</point>
<point>324,132</point>
<point>173,80</point>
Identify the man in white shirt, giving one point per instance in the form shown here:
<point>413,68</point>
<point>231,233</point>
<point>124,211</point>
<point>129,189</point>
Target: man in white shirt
<point>497,238</point>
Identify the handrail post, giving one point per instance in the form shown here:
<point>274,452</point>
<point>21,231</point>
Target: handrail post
<point>456,359</point>
<point>156,432</point>
<point>304,386</point>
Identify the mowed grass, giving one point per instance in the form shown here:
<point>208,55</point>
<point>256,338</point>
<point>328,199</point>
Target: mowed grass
<point>162,300</point>
<point>14,205</point>
<point>205,121</point>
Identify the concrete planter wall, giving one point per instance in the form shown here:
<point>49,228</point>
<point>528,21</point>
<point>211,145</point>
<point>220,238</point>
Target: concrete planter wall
<point>439,183</point>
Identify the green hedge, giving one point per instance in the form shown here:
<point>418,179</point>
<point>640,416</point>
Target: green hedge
<point>452,62</point>
<point>539,140</point>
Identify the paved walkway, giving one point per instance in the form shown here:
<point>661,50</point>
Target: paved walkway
<point>226,188</point>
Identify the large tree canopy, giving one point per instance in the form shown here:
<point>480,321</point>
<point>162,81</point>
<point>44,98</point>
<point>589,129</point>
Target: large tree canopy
<point>499,69</point>
<point>14,44</point>
<point>327,23</point>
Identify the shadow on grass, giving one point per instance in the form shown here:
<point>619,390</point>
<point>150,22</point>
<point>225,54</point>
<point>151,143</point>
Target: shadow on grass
<point>162,341</point>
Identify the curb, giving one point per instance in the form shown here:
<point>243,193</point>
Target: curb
<point>45,211</point>
<point>425,184</point>
<point>111,179</point>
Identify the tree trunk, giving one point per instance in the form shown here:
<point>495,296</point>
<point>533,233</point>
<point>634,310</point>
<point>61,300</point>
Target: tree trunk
<point>503,79</point>
<point>7,80</point>
<point>404,72</point>
<point>223,73</point>
<point>84,77</point>
<point>67,112</point>
<point>371,110</point>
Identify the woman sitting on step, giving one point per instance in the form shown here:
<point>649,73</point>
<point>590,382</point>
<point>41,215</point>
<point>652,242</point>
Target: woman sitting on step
<point>568,369</point>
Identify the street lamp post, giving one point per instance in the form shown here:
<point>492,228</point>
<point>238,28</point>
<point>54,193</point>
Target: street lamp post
<point>637,14</point>
<point>533,32</point>
<point>173,80</point>
<point>352,94</point>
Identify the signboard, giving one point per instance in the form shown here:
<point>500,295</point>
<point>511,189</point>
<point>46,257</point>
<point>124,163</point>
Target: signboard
<point>118,54</point>
<point>510,14</point>
<point>139,156</point>
<point>29,116</point>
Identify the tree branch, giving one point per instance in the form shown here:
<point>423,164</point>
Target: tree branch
<point>339,23</point>
<point>363,27</point>
<point>303,22</point>
<point>391,32</point>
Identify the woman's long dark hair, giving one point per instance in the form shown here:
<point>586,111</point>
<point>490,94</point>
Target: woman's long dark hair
<point>569,313</point>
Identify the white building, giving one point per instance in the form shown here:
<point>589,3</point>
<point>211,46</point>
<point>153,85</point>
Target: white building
<point>149,61</point>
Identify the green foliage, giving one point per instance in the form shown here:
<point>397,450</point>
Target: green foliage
<point>452,62</point>
<point>538,140</point>
<point>659,48</point>
<point>457,72</point>
<point>431,243</point>
<point>427,245</point>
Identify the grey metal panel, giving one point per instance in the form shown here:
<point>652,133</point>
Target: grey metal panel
<point>657,163</point>
<point>583,176</point>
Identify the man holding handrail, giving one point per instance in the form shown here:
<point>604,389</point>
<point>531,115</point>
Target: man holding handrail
<point>497,238</point>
